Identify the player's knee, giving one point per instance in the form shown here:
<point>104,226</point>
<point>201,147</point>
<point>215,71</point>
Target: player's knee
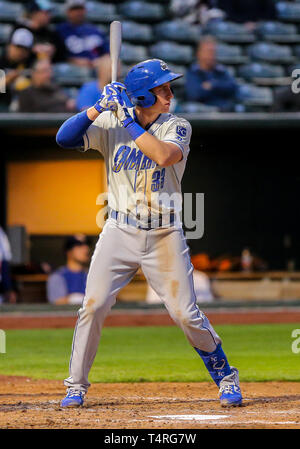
<point>94,305</point>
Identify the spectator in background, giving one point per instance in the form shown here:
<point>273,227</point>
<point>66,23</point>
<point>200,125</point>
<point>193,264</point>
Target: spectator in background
<point>86,45</point>
<point>43,95</point>
<point>17,58</point>
<point>248,11</point>
<point>67,284</point>
<point>47,43</point>
<point>208,82</point>
<point>6,291</point>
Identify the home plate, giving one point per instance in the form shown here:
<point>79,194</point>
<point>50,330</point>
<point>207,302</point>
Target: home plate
<point>191,417</point>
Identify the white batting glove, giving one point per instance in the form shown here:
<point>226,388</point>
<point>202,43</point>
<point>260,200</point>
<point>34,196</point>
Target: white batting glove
<point>118,103</point>
<point>105,100</point>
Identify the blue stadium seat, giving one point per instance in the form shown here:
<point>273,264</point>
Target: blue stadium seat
<point>142,11</point>
<point>297,51</point>
<point>229,32</point>
<point>71,75</point>
<point>137,32</point>
<point>71,92</point>
<point>9,11</point>
<point>5,30</point>
<point>178,69</point>
<point>101,12</point>
<point>278,32</point>
<point>289,12</point>
<point>177,30</point>
<point>195,108</point>
<point>250,95</point>
<point>259,70</point>
<point>230,54</point>
<point>266,74</point>
<point>172,52</point>
<point>269,52</point>
<point>58,11</point>
<point>131,54</point>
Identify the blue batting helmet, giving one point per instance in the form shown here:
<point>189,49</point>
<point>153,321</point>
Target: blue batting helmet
<point>145,76</point>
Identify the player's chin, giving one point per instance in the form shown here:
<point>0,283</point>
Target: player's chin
<point>166,107</point>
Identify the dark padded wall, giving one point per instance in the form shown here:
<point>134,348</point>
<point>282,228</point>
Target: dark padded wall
<point>251,183</point>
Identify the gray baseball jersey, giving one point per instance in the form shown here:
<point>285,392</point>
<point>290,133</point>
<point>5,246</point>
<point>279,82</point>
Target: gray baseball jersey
<point>162,253</point>
<point>148,186</point>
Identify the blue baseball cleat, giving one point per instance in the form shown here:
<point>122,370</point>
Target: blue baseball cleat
<point>230,392</point>
<point>74,398</point>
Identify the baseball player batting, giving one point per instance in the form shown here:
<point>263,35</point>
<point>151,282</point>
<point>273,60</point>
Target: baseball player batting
<point>145,150</point>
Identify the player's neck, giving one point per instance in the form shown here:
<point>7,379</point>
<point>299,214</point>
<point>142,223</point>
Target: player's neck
<point>146,117</point>
<point>73,265</point>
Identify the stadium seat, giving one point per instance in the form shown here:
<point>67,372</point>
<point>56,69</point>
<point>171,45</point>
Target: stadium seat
<point>278,32</point>
<point>230,54</point>
<point>289,12</point>
<point>58,11</point>
<point>265,74</point>
<point>71,92</point>
<point>297,51</point>
<point>142,11</point>
<point>101,12</point>
<point>178,69</point>
<point>250,95</point>
<point>172,52</point>
<point>256,69</point>
<point>290,69</point>
<point>5,30</point>
<point>195,108</point>
<point>269,52</point>
<point>137,32</point>
<point>10,11</point>
<point>177,30</point>
<point>229,32</point>
<point>131,54</point>
<point>71,75</point>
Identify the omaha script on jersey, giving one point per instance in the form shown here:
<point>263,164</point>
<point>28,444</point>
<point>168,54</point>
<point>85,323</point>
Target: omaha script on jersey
<point>136,184</point>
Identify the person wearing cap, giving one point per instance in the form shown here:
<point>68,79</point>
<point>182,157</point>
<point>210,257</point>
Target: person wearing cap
<point>47,43</point>
<point>67,284</point>
<point>16,61</point>
<point>86,45</point>
<point>43,95</point>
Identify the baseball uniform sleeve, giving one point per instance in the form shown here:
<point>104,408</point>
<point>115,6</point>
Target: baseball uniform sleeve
<point>56,287</point>
<point>96,136</point>
<point>179,132</point>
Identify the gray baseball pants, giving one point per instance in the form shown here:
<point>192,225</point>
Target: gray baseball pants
<point>163,256</point>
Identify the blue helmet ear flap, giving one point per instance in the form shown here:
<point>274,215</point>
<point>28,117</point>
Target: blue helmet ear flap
<point>146,100</point>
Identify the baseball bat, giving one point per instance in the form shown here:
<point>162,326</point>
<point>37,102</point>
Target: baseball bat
<point>115,42</point>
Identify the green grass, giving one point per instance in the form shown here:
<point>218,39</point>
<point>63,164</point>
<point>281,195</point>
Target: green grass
<point>137,354</point>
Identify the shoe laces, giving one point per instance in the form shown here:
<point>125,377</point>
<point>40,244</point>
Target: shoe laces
<point>229,389</point>
<point>74,392</point>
